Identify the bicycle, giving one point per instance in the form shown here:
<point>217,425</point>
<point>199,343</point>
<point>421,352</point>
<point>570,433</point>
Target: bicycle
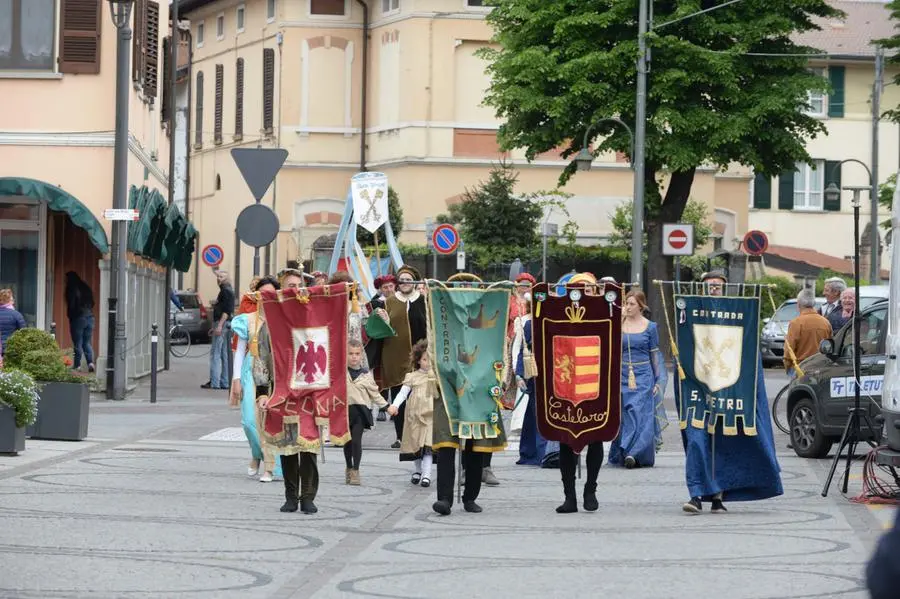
<point>179,341</point>
<point>782,424</point>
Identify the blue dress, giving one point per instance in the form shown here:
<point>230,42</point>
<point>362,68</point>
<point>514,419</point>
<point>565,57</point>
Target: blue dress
<point>643,412</point>
<point>741,467</point>
<point>240,326</point>
<point>532,446</point>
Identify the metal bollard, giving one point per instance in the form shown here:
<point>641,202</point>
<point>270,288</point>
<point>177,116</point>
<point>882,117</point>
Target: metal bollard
<point>154,344</point>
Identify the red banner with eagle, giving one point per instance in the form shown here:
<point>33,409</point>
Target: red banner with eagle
<point>308,333</point>
<point>578,349</point>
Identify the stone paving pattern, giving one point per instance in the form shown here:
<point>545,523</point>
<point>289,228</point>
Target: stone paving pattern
<point>145,508</point>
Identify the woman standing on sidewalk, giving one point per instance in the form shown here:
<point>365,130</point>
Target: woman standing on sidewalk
<point>643,385</point>
<point>532,444</point>
<point>250,379</point>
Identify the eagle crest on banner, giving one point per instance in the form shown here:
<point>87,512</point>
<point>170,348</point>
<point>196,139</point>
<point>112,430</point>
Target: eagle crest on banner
<point>311,358</point>
<point>717,354</point>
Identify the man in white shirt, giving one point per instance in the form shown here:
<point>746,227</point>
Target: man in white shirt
<point>832,292</point>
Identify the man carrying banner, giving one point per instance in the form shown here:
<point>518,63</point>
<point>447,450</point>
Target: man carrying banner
<point>405,312</point>
<point>306,360</point>
<point>467,341</point>
<point>724,410</point>
<point>577,338</point>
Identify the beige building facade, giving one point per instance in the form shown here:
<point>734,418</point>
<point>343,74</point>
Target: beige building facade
<point>279,73</point>
<point>57,121</point>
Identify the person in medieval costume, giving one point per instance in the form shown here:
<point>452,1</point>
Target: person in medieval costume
<point>384,287</point>
<point>445,442</point>
<point>418,393</point>
<point>721,467</point>
<point>532,445</point>
<point>405,312</point>
<point>643,386</point>
<point>568,459</point>
<point>250,380</point>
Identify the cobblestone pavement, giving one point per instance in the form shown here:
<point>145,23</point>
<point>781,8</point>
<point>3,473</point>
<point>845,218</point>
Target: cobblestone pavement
<point>156,503</point>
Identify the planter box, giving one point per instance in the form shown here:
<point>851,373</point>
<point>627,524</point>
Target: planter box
<point>12,439</point>
<point>62,413</point>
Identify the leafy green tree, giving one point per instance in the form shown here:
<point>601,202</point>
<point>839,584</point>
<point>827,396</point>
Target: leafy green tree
<point>695,213</point>
<point>492,214</point>
<point>395,215</point>
<point>892,44</point>
<point>715,96</point>
<point>783,289</point>
<point>886,197</point>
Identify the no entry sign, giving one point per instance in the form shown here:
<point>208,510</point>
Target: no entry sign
<point>677,239</point>
<point>212,255</point>
<point>445,239</point>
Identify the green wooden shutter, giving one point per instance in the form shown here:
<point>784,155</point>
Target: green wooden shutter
<point>762,192</point>
<point>786,190</point>
<point>832,166</point>
<point>836,98</point>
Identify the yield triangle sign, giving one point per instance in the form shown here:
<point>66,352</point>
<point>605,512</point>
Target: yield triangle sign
<point>259,167</point>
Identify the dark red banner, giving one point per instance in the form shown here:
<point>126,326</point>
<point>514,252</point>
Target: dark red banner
<point>578,349</point>
<point>308,330</point>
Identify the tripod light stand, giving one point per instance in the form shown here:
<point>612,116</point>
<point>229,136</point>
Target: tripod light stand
<point>852,429</point>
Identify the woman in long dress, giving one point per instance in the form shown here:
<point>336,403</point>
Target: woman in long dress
<point>246,387</point>
<point>643,385</point>
<point>532,444</point>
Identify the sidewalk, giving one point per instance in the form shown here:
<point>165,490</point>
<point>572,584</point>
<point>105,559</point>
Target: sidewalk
<point>157,504</point>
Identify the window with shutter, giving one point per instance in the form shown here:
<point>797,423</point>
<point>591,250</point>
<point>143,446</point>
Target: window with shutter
<point>762,192</point>
<point>786,190</point>
<point>239,99</point>
<point>270,10</point>
<point>79,37</point>
<point>220,88</point>
<point>150,76</point>
<point>198,112</point>
<point>28,32</point>
<point>167,75</point>
<point>268,90</point>
<point>836,97</point>
<point>139,18</point>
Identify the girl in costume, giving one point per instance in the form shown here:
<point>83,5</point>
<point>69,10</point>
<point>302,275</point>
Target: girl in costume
<point>249,380</point>
<point>532,444</point>
<point>362,392</point>
<point>420,389</point>
<point>643,385</point>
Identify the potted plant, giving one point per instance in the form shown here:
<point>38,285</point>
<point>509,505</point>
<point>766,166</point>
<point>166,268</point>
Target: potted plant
<point>18,409</point>
<point>65,397</point>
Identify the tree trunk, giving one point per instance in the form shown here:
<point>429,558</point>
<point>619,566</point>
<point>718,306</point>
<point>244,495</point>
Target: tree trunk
<point>659,267</point>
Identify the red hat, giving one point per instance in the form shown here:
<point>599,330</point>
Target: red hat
<point>525,277</point>
<point>387,279</point>
<point>378,282</point>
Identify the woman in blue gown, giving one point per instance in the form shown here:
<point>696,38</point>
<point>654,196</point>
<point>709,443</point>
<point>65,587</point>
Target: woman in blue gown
<point>532,445</point>
<point>643,386</point>
<point>246,326</point>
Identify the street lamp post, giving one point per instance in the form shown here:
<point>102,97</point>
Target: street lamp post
<point>118,267</point>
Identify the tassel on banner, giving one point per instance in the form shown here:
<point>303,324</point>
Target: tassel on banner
<point>632,380</point>
<point>354,299</point>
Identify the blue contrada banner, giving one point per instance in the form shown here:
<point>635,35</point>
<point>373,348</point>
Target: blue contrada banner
<point>718,345</point>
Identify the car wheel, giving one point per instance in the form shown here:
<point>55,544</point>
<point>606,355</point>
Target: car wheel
<point>807,439</point>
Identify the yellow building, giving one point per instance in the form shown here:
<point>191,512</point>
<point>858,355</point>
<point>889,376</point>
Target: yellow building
<point>792,209</point>
<point>57,121</point>
<point>300,75</point>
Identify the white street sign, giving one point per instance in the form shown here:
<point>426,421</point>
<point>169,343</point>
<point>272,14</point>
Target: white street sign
<point>677,239</point>
<point>461,260</point>
<point>120,214</point>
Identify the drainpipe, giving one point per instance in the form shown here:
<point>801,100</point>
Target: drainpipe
<point>173,75</point>
<point>365,86</point>
<point>187,163</point>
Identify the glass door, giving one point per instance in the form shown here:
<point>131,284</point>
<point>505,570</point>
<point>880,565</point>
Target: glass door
<point>19,270</point>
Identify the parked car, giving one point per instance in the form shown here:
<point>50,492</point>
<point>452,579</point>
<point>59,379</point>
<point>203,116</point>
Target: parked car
<point>817,402</point>
<point>771,338</point>
<point>193,316</point>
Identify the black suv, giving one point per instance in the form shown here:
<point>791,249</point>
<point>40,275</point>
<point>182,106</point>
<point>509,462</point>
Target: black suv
<point>818,402</point>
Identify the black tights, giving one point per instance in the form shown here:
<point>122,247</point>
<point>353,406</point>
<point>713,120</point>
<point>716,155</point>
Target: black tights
<point>353,449</point>
<point>401,412</point>
<point>568,460</point>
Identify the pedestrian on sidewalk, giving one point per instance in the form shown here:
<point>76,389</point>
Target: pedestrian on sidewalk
<point>532,445</point>
<point>80,308</point>
<point>223,312</point>
<point>419,392</point>
<point>643,386</point>
<point>11,320</point>
<point>250,378</point>
<point>805,333</point>
<point>362,393</point>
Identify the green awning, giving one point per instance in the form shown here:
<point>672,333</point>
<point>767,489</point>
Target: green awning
<point>189,245</point>
<point>143,234</point>
<point>60,201</point>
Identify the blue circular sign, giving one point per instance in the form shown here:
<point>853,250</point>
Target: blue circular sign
<point>445,239</point>
<point>212,255</point>
<point>756,243</point>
